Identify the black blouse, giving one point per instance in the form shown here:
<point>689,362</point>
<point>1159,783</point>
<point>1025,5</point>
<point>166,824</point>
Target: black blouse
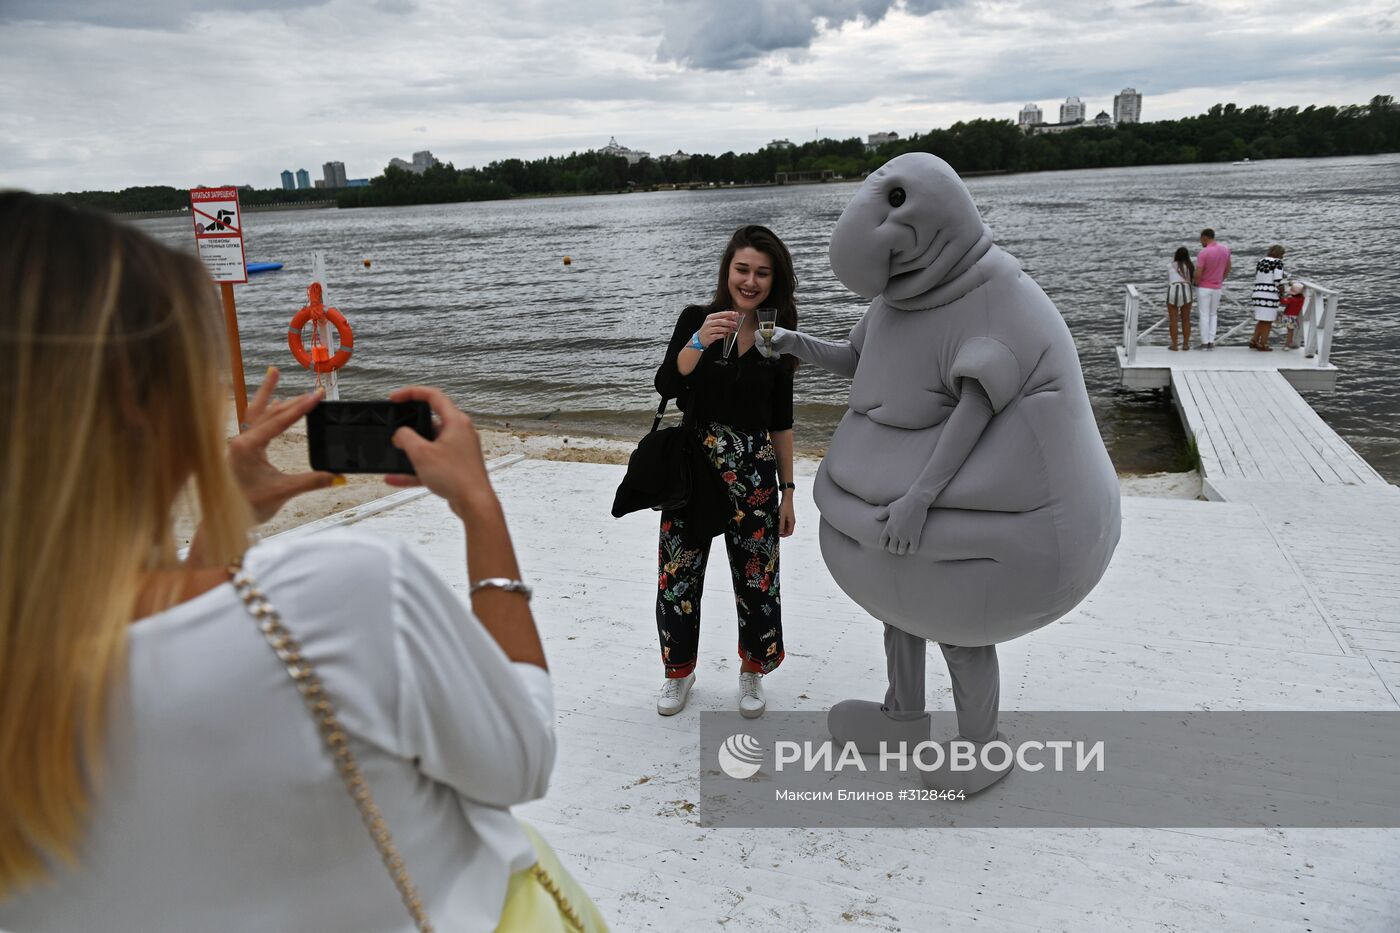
<point>754,394</point>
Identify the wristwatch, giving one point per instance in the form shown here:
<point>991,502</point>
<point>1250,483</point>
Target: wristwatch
<point>792,486</point>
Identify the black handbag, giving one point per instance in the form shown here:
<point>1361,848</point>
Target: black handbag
<point>661,471</point>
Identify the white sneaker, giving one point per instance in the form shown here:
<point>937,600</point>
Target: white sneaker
<point>674,692</point>
<point>751,702</point>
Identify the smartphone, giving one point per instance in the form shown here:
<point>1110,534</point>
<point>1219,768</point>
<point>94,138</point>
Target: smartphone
<point>357,437</point>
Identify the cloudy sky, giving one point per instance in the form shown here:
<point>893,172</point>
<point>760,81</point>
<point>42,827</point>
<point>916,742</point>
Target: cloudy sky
<point>111,93</point>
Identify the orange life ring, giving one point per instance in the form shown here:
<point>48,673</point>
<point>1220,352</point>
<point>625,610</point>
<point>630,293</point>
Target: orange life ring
<point>322,361</point>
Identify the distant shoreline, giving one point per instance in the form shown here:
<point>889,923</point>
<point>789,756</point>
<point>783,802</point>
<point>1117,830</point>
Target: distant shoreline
<point>666,189</point>
<point>245,208</point>
<point>1224,134</point>
<point>325,205</point>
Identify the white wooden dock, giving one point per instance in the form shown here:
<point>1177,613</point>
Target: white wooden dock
<point>1260,444</point>
<point>1250,426</point>
<point>1153,366</point>
<point>1265,603</point>
<point>1143,364</point>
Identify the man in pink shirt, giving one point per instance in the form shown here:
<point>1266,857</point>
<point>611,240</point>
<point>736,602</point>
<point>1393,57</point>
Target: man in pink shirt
<point>1212,266</point>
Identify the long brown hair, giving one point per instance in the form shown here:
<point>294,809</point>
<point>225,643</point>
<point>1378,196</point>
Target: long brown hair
<point>782,293</point>
<point>1184,265</point>
<point>112,402</point>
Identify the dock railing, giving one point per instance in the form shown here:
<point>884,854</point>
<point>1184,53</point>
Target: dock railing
<point>1317,321</point>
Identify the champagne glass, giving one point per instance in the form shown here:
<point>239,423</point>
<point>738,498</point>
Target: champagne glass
<point>767,325</point>
<point>729,340</point>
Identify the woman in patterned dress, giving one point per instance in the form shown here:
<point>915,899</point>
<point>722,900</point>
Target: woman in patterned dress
<point>1268,291</point>
<point>740,405</point>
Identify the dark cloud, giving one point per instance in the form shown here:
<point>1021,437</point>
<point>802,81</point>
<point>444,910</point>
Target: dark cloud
<point>720,35</point>
<point>475,80</point>
<point>136,14</point>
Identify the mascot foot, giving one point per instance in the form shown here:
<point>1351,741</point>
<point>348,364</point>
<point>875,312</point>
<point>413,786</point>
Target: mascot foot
<point>970,781</point>
<point>867,724</point>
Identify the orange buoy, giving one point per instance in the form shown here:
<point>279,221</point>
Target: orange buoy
<point>366,263</point>
<point>320,358</point>
<point>568,261</point>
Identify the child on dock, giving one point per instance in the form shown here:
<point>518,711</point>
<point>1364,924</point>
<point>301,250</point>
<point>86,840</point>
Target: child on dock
<point>1292,311</point>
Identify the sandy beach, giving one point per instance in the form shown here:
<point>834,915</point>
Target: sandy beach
<point>288,453</point>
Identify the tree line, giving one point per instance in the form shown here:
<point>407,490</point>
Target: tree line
<point>166,198</point>
<point>1224,133</point>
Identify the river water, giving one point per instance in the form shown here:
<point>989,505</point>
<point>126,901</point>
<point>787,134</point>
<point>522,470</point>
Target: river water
<point>476,299</point>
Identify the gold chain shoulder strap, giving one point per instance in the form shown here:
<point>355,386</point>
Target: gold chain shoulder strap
<point>288,651</point>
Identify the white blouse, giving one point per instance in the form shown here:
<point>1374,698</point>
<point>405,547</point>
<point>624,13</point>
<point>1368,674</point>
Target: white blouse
<point>220,808</point>
<point>1174,275</point>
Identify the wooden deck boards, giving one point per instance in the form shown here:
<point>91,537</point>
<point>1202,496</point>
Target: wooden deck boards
<point>1235,605</point>
<point>1252,426</point>
<point>1154,365</point>
<point>1336,521</point>
<point>1345,542</point>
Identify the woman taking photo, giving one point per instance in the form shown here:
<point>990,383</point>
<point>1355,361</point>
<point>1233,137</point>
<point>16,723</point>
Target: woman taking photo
<point>740,405</point>
<point>177,738</point>
<point>1179,274</point>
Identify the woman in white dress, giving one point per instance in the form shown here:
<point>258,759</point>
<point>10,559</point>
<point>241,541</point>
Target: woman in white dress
<point>1179,273</point>
<point>163,767</point>
<point>1265,296</point>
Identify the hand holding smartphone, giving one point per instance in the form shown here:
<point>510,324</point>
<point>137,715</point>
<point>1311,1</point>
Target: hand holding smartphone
<point>357,437</point>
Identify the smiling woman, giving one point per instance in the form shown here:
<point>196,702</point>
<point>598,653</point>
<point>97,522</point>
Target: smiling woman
<point>738,402</point>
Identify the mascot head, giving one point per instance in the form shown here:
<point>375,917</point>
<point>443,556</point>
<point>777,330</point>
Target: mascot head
<point>911,228</point>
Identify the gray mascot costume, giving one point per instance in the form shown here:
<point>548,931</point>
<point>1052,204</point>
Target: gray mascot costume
<point>967,497</point>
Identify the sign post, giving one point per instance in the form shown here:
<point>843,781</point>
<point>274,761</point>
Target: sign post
<point>323,327</point>
<point>218,237</point>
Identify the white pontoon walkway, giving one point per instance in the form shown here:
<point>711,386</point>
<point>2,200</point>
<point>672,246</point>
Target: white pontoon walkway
<point>1261,444</point>
<point>1251,427</point>
<point>1241,407</point>
<point>1202,608</point>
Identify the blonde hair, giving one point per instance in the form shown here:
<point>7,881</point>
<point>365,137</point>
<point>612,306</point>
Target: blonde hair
<point>111,404</point>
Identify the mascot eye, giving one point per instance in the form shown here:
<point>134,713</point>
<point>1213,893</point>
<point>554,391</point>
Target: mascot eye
<point>896,197</point>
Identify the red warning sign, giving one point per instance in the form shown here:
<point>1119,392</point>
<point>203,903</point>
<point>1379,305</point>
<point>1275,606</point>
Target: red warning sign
<point>218,233</point>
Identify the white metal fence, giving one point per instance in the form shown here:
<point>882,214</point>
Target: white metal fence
<point>1318,319</point>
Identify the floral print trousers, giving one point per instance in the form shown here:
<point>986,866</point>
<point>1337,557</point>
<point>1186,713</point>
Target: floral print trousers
<point>748,465</point>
